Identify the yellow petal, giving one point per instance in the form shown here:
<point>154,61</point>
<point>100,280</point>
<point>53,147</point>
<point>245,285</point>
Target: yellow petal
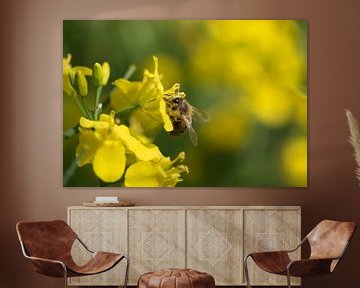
<point>67,87</point>
<point>108,118</point>
<point>142,152</point>
<point>144,174</point>
<point>152,89</point>
<point>86,123</point>
<point>88,144</point>
<point>156,66</point>
<point>124,94</point>
<point>84,70</point>
<point>109,161</point>
<point>66,62</point>
<point>100,127</point>
<point>173,90</point>
<point>168,126</point>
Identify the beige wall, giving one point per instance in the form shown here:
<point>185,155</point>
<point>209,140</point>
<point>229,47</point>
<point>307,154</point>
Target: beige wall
<point>31,119</point>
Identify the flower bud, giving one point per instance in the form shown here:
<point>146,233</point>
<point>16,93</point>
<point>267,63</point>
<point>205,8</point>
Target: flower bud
<point>81,83</point>
<point>106,73</point>
<point>97,75</point>
<point>72,77</point>
<point>67,87</point>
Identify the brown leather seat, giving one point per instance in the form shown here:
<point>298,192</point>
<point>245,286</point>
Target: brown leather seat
<point>328,242</point>
<point>48,245</point>
<point>176,278</point>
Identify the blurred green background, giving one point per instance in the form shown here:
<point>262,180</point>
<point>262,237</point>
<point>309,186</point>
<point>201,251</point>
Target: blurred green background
<point>249,75</point>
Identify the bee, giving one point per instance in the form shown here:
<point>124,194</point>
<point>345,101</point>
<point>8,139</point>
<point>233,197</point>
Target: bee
<point>181,114</point>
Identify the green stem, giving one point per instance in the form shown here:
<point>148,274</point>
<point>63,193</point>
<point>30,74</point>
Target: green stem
<point>97,100</point>
<point>80,104</point>
<point>70,171</point>
<point>131,70</point>
<point>70,132</point>
<point>88,114</point>
<point>125,110</point>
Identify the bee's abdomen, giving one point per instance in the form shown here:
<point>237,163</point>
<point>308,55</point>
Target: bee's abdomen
<point>179,127</point>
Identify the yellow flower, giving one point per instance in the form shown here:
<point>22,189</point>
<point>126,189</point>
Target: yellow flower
<point>145,97</point>
<point>109,146</point>
<point>69,71</point>
<point>137,130</point>
<point>164,173</point>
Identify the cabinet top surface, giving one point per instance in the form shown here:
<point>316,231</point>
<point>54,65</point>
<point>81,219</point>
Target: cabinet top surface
<point>193,207</point>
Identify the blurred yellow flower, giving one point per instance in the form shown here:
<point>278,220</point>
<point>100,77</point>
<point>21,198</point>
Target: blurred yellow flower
<point>271,104</point>
<point>232,124</point>
<point>294,162</point>
<point>164,173</point>
<point>145,98</point>
<point>262,58</point>
<point>251,48</point>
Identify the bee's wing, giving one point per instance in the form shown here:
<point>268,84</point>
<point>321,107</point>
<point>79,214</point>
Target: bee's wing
<point>192,133</point>
<point>193,136</point>
<point>200,115</point>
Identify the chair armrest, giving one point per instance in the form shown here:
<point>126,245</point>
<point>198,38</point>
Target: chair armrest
<point>268,253</point>
<point>46,260</point>
<point>281,251</point>
<point>84,245</point>
<point>298,246</point>
<point>49,267</point>
<point>309,267</point>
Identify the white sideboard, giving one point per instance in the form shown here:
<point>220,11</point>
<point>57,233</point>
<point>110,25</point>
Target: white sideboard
<point>211,239</point>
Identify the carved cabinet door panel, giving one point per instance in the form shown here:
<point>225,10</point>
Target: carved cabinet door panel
<point>156,240</point>
<point>101,230</point>
<point>214,244</point>
<point>269,230</point>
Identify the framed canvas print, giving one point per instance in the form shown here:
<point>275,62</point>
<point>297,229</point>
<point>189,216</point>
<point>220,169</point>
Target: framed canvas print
<point>187,103</point>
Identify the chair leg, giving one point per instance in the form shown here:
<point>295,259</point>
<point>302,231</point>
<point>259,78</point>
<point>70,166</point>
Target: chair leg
<point>246,272</point>
<point>127,271</point>
<point>288,278</point>
<point>65,275</point>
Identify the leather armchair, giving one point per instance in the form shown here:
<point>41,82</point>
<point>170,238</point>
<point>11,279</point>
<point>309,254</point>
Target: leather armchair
<point>48,245</point>
<point>328,242</point>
